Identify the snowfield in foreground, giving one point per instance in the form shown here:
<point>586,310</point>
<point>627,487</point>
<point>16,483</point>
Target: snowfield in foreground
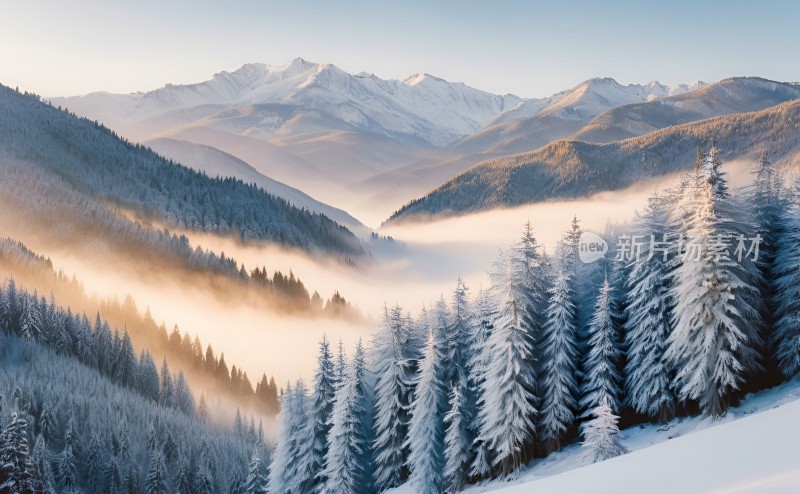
<point>754,450</point>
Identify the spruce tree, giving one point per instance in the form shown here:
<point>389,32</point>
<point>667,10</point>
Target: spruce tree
<point>426,431</point>
<point>507,400</point>
<point>715,340</point>
<point>393,354</point>
<point>457,443</point>
<point>324,393</point>
<point>156,482</point>
<point>348,464</point>
<point>559,354</point>
<point>17,471</point>
<point>648,384</point>
<point>601,384</point>
<point>601,435</point>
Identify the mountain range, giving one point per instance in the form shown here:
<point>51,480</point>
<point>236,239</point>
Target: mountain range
<point>368,146</point>
<point>571,168</point>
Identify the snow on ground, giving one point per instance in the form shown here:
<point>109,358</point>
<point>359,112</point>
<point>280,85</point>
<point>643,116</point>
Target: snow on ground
<point>754,450</point>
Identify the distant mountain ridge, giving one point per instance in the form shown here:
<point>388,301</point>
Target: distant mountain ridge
<point>569,168</point>
<point>733,95</point>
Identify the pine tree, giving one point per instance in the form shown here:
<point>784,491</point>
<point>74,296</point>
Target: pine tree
<point>166,392</point>
<point>559,354</point>
<point>426,431</point>
<point>716,335</point>
<point>786,338</point>
<point>95,461</point>
<point>183,480</point>
<point>601,383</point>
<point>485,313</point>
<point>507,397</point>
<point>395,366</point>
<point>348,463</point>
<point>257,481</point>
<point>17,472</point>
<point>341,365</point>
<point>183,398</point>
<point>42,472</point>
<point>324,393</point>
<point>156,482</point>
<point>601,435</point>
<point>648,385</point>
<point>300,478</point>
<point>67,469</point>
<point>126,362</point>
<point>457,443</point>
<point>8,307</point>
<point>147,378</point>
<point>279,469</point>
<point>30,326</point>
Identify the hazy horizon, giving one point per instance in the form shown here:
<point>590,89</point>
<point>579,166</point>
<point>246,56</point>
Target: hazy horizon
<point>57,49</point>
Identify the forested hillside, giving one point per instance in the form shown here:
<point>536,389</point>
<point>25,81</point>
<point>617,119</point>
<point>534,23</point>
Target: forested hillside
<point>94,163</point>
<point>80,411</point>
<point>568,169</point>
<point>203,365</point>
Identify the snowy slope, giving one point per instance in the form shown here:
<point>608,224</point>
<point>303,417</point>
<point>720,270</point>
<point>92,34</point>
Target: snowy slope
<point>753,450</point>
<point>420,108</point>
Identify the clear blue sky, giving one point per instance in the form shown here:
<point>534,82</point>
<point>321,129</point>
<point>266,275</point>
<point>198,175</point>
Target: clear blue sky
<point>57,47</point>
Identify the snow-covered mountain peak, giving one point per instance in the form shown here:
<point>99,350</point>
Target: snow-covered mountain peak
<point>421,107</point>
<point>592,97</point>
<point>415,79</point>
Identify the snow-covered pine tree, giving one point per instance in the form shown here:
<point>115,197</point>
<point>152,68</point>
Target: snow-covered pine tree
<point>67,466</point>
<point>769,201</point>
<point>341,365</point>
<point>9,313</point>
<point>534,278</point>
<point>183,480</point>
<point>348,464</point>
<point>601,383</point>
<point>713,345</point>
<point>300,478</point>
<point>30,325</point>
<point>457,443</point>
<point>166,391</point>
<point>43,474</point>
<point>507,400</point>
<point>156,481</point>
<point>426,431</point>
<point>147,377</point>
<point>648,385</point>
<point>395,366</point>
<point>281,455</point>
<point>96,455</point>
<point>485,314</point>
<point>257,482</point>
<point>325,382</point>
<point>461,351</point>
<point>786,339</point>
<point>17,473</point>
<point>601,435</point>
<point>559,353</point>
<point>126,362</point>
